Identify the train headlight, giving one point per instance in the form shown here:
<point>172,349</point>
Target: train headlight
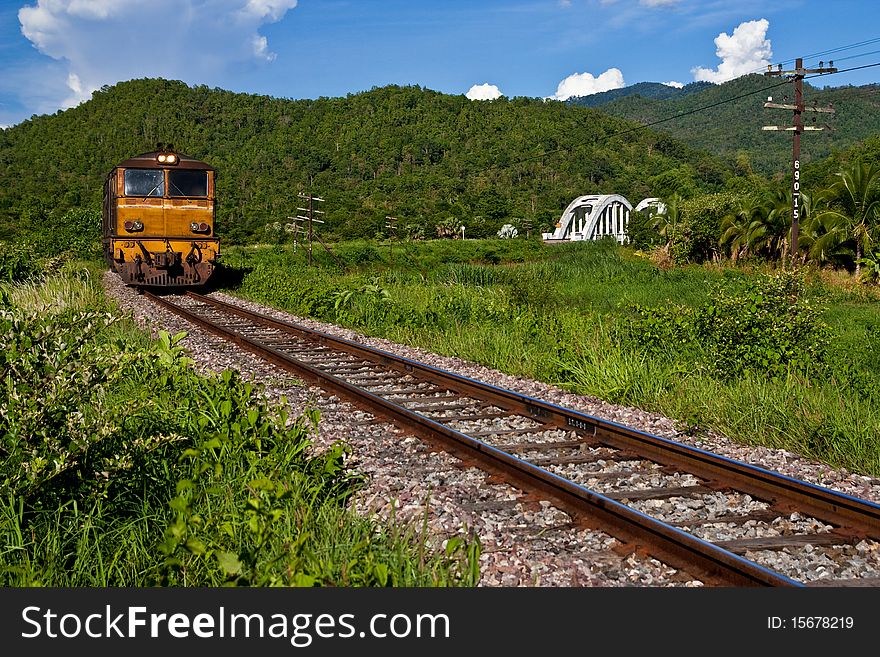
<point>166,158</point>
<point>162,157</point>
<point>133,226</point>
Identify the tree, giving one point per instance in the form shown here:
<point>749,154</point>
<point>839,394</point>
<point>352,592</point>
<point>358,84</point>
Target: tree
<point>854,201</point>
<point>666,223</point>
<point>771,226</point>
<point>736,226</point>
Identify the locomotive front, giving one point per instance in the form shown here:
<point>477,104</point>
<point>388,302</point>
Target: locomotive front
<point>158,224</point>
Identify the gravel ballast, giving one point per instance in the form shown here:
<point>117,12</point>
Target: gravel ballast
<point>525,543</point>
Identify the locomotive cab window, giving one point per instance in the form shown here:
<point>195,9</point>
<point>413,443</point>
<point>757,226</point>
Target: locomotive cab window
<point>144,182</point>
<point>182,182</point>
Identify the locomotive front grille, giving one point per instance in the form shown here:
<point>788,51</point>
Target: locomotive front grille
<point>133,273</point>
<point>166,259</point>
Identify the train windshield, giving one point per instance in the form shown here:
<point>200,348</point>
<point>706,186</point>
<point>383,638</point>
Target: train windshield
<point>182,182</point>
<point>144,182</point>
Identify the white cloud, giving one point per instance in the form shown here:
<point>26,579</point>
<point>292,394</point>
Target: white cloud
<point>484,91</point>
<point>565,3</point>
<point>658,3</point>
<point>584,84</point>
<point>673,83</point>
<point>745,51</point>
<point>274,10</point>
<point>261,48</point>
<point>75,85</point>
<point>101,42</point>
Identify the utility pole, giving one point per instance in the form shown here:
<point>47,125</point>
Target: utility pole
<point>391,225</point>
<point>796,129</point>
<point>310,218</point>
<point>294,228</point>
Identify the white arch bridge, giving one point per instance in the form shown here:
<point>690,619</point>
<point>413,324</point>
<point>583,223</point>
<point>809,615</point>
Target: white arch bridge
<point>593,217</point>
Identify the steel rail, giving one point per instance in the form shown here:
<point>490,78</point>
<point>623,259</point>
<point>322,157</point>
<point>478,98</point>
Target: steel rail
<point>861,517</point>
<point>641,532</point>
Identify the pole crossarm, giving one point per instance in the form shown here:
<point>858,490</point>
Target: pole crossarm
<point>309,217</point>
<point>804,108</point>
<point>801,71</point>
<point>791,128</point>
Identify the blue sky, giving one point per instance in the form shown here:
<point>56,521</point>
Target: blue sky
<point>55,52</point>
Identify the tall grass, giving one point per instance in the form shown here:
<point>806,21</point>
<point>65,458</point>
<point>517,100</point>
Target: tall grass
<point>560,314</point>
<point>74,288</point>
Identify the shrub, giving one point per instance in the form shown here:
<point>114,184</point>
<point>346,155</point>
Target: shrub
<point>414,232</point>
<point>770,327</point>
<point>640,231</point>
<point>697,234</point>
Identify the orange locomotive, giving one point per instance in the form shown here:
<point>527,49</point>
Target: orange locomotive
<point>158,227</point>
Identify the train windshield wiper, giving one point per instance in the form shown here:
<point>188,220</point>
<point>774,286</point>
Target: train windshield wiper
<point>150,193</point>
<point>179,190</point>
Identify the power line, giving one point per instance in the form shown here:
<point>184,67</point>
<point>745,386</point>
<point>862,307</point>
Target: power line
<point>682,114</point>
<point>843,70</point>
<point>643,125</point>
<point>842,48</point>
<point>830,51</point>
<point>749,93</point>
<point>699,109</point>
<point>863,54</point>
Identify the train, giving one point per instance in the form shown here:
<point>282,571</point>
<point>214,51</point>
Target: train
<point>158,220</point>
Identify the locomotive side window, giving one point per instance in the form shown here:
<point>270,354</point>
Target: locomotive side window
<point>187,183</point>
<point>144,182</point>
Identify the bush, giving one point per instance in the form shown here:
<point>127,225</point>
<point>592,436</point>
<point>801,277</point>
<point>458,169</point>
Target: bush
<point>697,235</point>
<point>640,231</point>
<point>770,328</point>
<point>17,262</point>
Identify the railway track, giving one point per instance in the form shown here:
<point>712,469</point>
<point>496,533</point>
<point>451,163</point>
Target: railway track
<point>704,514</point>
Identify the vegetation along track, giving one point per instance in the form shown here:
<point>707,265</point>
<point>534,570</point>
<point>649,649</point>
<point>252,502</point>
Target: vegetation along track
<point>606,475</point>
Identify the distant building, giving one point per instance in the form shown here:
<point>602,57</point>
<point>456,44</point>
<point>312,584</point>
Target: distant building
<point>592,217</point>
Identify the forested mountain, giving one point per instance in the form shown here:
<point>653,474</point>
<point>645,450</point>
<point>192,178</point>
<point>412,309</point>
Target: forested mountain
<point>652,90</point>
<point>420,155</point>
<point>734,127</point>
<point>824,173</point>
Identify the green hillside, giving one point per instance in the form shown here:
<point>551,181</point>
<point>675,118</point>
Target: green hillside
<point>735,126</point>
<point>652,90</point>
<point>419,154</point>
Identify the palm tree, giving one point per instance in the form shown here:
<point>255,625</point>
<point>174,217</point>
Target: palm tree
<point>853,213</point>
<point>666,223</point>
<point>771,228</point>
<point>737,225</point>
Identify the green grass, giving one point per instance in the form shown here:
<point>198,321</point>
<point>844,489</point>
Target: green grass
<point>71,289</point>
<point>561,314</point>
<point>121,466</point>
